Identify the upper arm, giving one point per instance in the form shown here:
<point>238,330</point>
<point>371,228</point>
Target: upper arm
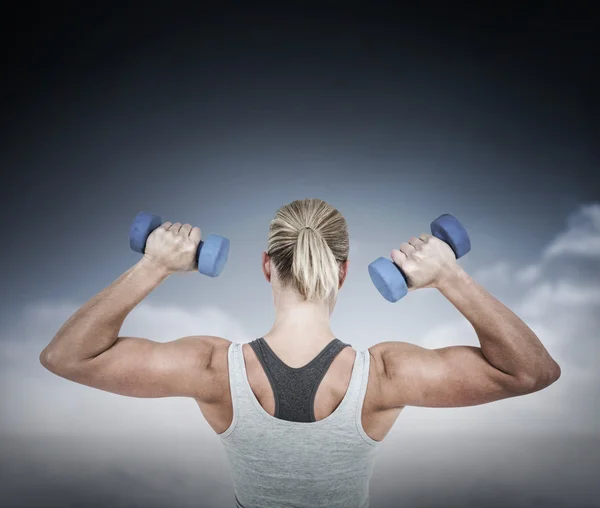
<point>448,377</point>
<point>140,367</point>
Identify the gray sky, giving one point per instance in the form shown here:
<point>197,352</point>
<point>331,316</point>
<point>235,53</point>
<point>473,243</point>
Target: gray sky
<point>391,124</point>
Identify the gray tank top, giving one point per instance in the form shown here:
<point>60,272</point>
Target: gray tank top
<point>291,460</point>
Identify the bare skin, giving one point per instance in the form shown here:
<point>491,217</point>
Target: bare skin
<point>511,360</point>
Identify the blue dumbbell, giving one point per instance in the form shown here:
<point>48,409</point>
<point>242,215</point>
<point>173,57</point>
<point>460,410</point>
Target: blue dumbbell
<point>211,255</point>
<point>389,279</point>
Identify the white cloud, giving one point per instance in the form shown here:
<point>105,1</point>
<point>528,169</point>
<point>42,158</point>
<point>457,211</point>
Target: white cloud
<point>541,298</point>
<point>499,273</point>
<point>455,333</point>
<point>581,238</point>
<point>170,322</point>
<point>528,274</point>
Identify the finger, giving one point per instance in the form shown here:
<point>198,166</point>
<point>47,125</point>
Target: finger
<point>166,225</point>
<point>398,257</point>
<point>196,234</point>
<point>415,242</point>
<point>407,248</point>
<point>185,230</point>
<point>424,237</point>
<point>175,227</point>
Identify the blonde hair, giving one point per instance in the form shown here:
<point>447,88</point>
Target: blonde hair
<point>308,241</point>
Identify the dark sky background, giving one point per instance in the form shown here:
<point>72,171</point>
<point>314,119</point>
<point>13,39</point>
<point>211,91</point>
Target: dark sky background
<point>218,117</point>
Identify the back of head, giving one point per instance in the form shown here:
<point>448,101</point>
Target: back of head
<point>308,241</point>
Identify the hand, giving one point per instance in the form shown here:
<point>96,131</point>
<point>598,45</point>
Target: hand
<point>425,261</point>
<point>173,247</point>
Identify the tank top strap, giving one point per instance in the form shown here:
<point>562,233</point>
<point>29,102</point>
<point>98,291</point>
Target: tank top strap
<point>241,401</point>
<point>353,399</point>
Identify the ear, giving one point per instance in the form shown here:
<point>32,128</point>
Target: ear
<point>343,272</point>
<point>266,266</point>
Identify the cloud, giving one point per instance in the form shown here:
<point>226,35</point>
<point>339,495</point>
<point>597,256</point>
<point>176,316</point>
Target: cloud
<point>528,274</point>
<point>467,470</point>
<point>566,294</point>
<point>498,273</point>
<point>582,236</point>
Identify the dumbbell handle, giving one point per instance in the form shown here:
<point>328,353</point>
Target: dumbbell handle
<point>211,254</point>
<point>439,234</point>
<point>139,233</point>
<point>388,277</point>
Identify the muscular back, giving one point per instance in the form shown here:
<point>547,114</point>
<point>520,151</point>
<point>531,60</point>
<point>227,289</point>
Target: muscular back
<point>376,418</point>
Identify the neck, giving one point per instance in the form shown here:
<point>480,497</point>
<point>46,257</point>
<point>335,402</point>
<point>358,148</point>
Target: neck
<point>300,323</point>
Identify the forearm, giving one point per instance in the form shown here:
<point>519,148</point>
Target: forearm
<point>506,341</point>
<point>95,326</point>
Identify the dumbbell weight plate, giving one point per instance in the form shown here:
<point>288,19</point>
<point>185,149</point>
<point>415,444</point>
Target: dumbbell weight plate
<point>140,229</point>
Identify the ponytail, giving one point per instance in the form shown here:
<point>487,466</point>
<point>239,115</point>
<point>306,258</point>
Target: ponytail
<point>308,239</point>
<point>315,269</point>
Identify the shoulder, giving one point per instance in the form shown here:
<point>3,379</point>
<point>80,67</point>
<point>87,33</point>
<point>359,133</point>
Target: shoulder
<point>377,354</point>
<point>217,350</point>
<point>209,355</point>
<point>381,384</point>
<point>217,344</point>
<point>377,360</point>
<point>201,349</point>
<point>386,354</point>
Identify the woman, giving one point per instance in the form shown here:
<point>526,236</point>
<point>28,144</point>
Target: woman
<point>301,414</point>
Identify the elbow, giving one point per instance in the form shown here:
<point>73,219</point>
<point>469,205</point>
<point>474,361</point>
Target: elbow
<point>534,382</point>
<point>553,375</point>
<point>53,360</point>
<point>48,359</point>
